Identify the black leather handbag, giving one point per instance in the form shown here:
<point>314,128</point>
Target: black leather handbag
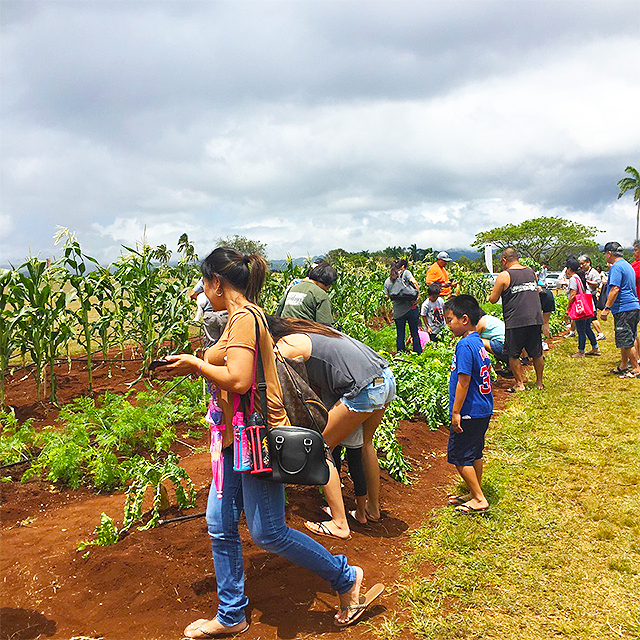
<point>297,455</point>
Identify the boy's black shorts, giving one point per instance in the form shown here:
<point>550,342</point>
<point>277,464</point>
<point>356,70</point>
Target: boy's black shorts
<point>466,447</point>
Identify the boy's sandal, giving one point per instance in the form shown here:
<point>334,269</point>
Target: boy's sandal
<point>454,500</point>
<point>467,509</point>
<point>366,601</point>
<point>630,375</point>
<point>618,371</point>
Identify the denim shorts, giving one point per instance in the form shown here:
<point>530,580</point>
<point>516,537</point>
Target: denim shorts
<point>376,395</point>
<point>497,348</point>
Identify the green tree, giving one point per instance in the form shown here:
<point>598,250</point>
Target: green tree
<point>244,245</point>
<point>632,184</point>
<point>550,237</point>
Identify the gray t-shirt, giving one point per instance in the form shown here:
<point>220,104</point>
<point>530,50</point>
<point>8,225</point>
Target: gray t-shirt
<point>434,313</point>
<point>393,287</point>
<point>594,276</point>
<point>341,366</point>
<point>213,323</point>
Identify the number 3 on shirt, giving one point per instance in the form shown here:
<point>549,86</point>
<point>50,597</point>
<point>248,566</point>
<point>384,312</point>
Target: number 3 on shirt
<point>485,376</point>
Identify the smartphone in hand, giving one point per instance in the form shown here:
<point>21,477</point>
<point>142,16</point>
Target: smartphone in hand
<point>154,364</point>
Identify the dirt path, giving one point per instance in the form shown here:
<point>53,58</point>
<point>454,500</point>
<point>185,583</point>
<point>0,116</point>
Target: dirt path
<point>153,583</point>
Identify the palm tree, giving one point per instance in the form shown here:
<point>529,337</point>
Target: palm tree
<point>628,184</point>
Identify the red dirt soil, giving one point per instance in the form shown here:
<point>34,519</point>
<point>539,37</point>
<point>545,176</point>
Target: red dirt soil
<point>153,583</point>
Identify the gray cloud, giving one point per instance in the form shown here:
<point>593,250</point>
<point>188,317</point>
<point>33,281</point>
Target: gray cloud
<point>311,125</point>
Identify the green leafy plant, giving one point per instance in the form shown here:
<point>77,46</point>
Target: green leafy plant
<point>152,474</point>
<point>96,437</point>
<point>16,440</point>
<point>106,534</point>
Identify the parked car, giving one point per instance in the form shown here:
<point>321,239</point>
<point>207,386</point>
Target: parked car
<point>552,280</point>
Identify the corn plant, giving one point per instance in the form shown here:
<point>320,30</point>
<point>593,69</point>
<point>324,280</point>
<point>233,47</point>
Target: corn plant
<point>154,309</point>
<point>45,323</point>
<point>11,313</point>
<point>276,283</point>
<point>85,289</point>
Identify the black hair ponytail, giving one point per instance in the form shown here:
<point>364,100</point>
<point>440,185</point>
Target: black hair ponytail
<point>242,272</point>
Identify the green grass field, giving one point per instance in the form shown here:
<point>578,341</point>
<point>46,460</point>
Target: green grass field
<point>560,554</point>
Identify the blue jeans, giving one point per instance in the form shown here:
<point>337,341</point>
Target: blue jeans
<point>413,318</point>
<point>263,504</point>
<point>584,330</point>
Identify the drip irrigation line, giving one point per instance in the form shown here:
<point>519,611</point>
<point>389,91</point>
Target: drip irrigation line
<point>173,386</point>
<point>182,518</point>
<point>13,464</point>
<point>97,363</point>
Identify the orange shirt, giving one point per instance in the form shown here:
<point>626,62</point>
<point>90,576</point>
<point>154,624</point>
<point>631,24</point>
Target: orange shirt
<point>436,273</point>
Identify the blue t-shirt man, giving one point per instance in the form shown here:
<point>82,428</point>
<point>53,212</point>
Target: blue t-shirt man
<point>622,275</point>
<point>471,358</point>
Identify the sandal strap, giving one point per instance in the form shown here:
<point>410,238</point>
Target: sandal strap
<point>353,607</point>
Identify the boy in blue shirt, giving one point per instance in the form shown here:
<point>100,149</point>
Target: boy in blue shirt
<point>470,401</point>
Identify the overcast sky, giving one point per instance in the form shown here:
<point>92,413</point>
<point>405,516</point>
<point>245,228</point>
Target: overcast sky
<point>311,125</point>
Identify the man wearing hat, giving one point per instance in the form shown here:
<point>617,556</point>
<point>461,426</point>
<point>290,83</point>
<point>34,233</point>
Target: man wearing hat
<point>438,273</point>
<point>622,301</point>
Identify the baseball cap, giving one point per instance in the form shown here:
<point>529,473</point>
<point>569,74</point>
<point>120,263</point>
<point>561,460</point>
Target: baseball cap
<point>443,255</point>
<point>615,248</point>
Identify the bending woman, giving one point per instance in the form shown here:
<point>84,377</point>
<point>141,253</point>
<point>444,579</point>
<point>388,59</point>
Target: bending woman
<point>232,281</point>
<point>357,384</point>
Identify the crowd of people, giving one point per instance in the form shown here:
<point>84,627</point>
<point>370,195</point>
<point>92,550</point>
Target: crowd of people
<point>356,385</point>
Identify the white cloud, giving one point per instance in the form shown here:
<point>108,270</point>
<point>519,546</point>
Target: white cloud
<point>308,127</point>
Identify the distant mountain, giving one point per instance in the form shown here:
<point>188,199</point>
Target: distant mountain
<point>472,254</point>
<point>280,265</point>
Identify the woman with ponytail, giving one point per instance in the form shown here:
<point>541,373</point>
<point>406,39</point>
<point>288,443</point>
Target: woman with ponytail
<point>232,281</point>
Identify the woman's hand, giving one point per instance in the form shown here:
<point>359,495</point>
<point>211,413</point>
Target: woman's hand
<point>183,364</point>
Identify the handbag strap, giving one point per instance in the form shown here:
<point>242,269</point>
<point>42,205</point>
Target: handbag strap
<point>258,372</point>
<point>580,287</point>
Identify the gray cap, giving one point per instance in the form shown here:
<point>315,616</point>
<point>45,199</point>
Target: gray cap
<point>615,248</point>
<point>443,255</point>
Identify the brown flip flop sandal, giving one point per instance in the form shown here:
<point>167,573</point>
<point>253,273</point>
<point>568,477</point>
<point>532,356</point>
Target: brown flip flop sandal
<point>366,601</point>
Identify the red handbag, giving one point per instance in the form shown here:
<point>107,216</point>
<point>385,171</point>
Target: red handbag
<point>582,303</point>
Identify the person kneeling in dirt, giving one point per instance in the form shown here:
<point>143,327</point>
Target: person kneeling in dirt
<point>470,402</point>
<point>233,281</point>
<point>492,331</point>
<point>356,385</point>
